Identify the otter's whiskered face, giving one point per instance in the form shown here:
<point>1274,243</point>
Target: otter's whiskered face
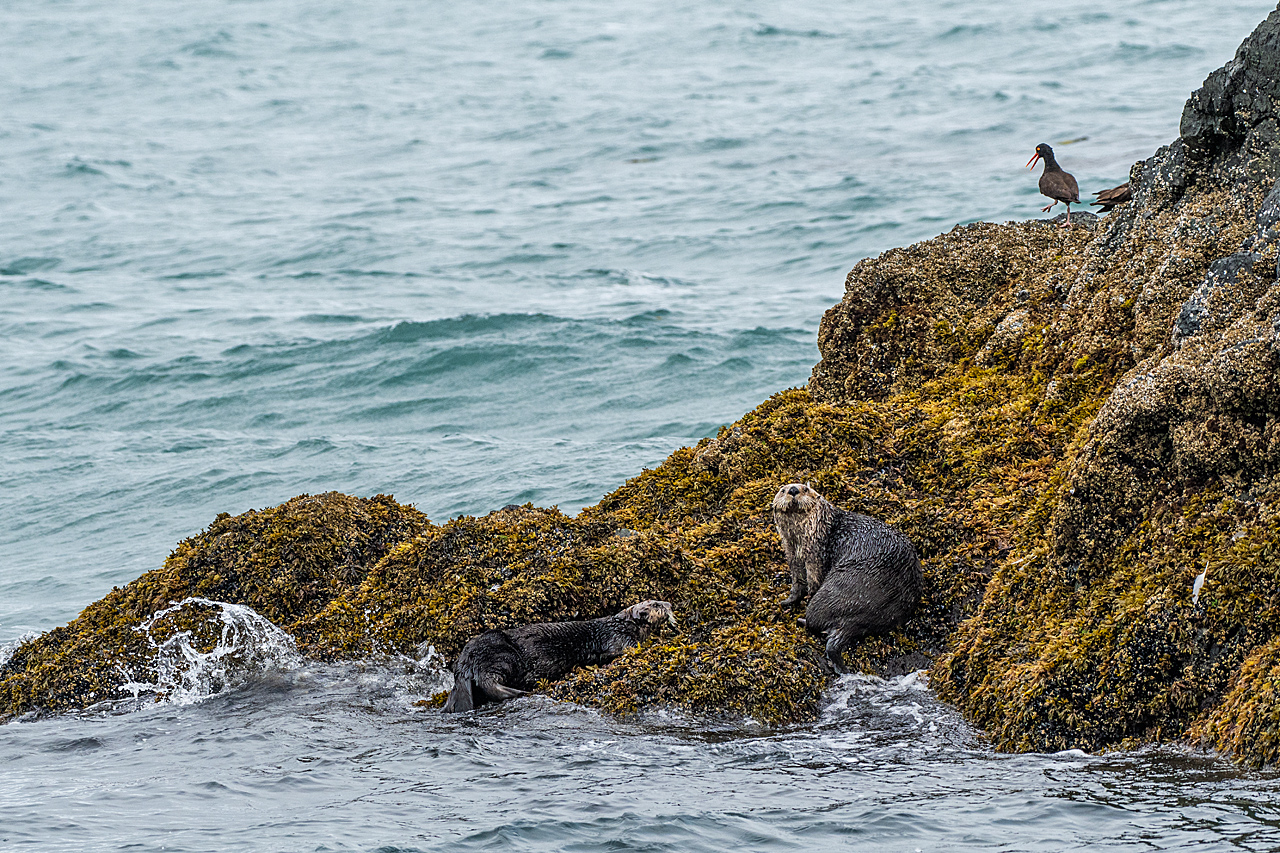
<point>650,614</point>
<point>795,497</point>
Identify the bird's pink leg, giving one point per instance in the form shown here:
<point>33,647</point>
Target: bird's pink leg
<point>1068,225</point>
<point>1051,204</point>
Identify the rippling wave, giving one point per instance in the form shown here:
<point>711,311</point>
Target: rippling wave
<point>345,755</point>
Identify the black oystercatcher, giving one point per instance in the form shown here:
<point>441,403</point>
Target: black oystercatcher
<point>1055,183</point>
<point>1108,199</point>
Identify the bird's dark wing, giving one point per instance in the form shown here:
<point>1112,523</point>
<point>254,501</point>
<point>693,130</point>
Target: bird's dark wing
<point>1059,186</point>
<point>1072,188</point>
<point>1108,199</point>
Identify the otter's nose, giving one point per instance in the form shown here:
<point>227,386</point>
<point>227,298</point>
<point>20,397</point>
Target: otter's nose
<point>794,490</point>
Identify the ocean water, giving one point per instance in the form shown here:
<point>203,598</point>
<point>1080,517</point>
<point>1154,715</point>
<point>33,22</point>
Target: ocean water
<point>476,254</point>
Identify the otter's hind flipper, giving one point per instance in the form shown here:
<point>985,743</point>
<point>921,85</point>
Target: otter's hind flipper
<point>460,696</point>
<point>835,654</point>
<point>463,695</point>
<point>496,692</point>
<point>838,639</point>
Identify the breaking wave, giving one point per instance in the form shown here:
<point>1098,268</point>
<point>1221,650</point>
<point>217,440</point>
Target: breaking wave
<point>247,646</point>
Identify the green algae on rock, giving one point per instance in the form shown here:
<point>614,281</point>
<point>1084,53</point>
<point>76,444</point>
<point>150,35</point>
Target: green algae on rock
<point>956,461</point>
<point>682,532</point>
<point>515,566</point>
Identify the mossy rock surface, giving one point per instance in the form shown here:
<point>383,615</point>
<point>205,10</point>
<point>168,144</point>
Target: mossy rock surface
<point>352,578</point>
<point>1091,634</point>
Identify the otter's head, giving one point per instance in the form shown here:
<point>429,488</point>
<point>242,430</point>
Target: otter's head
<point>796,497</point>
<point>649,615</point>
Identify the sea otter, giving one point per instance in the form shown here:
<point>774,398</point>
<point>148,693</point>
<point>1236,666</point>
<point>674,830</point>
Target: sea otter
<point>862,575</point>
<point>509,662</point>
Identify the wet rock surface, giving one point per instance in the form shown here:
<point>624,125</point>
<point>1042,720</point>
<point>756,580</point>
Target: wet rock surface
<point>285,563</point>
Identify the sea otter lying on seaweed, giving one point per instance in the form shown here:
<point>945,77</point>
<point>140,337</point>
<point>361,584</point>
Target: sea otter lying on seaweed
<point>864,577</point>
<point>502,664</point>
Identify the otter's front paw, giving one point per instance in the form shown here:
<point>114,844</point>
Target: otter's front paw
<point>792,599</point>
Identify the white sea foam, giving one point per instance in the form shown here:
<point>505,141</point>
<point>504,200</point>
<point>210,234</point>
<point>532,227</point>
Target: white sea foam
<point>901,695</point>
<point>406,680</point>
<point>860,704</point>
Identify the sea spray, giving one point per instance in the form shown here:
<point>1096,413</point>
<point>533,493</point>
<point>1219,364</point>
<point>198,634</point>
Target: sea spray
<point>872,719</point>
<point>905,695</point>
<point>7,649</point>
<point>247,645</point>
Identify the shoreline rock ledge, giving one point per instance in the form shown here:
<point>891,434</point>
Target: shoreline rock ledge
<point>1079,430</point>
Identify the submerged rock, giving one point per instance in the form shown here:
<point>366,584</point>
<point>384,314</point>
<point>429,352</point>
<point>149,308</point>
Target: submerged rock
<point>1072,426</point>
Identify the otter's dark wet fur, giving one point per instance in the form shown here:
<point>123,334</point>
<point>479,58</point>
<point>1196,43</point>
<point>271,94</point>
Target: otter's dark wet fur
<point>863,576</point>
<point>802,518</point>
<point>509,662</point>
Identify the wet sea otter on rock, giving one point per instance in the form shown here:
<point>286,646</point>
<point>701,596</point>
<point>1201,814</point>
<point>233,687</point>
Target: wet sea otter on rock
<point>864,576</point>
<point>505,663</point>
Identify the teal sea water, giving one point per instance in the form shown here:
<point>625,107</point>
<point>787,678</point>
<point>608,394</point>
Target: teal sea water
<point>477,254</point>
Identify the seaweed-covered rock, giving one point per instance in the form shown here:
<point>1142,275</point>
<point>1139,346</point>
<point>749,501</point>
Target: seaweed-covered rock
<point>512,567</point>
<point>285,563</point>
<point>1094,633</point>
<point>680,533</point>
<point>351,578</point>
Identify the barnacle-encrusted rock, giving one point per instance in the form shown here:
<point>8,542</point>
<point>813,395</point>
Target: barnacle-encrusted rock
<point>1090,635</point>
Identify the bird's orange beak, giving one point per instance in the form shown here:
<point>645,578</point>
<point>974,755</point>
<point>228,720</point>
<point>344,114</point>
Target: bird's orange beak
<point>1032,161</point>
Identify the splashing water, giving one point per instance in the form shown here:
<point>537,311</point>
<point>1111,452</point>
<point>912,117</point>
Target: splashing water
<point>248,645</point>
<point>7,649</point>
<point>899,696</point>
<point>888,718</point>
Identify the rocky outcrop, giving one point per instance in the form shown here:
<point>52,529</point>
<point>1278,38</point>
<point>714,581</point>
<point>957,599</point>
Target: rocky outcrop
<point>1093,634</point>
<point>286,563</point>
<point>1079,429</point>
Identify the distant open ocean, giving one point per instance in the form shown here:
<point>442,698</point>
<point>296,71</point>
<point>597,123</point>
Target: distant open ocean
<point>488,253</point>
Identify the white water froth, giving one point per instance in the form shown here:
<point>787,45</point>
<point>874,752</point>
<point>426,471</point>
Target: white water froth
<point>405,679</point>
<point>900,696</point>
<point>249,645</point>
<point>861,704</point>
<point>7,649</point>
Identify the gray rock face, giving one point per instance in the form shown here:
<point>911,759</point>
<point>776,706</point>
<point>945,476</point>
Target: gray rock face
<point>1268,218</point>
<point>1236,107</point>
<point>1218,299</point>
